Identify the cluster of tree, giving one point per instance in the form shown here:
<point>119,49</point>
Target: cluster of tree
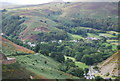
<point>79,30</point>
<point>69,67</point>
<point>11,25</point>
<point>4,10</point>
<point>76,30</point>
<point>100,24</point>
<point>84,51</point>
<point>53,35</point>
<point>58,56</point>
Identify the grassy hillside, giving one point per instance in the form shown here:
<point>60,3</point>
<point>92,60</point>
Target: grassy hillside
<point>62,17</point>
<point>111,64</point>
<point>85,31</point>
<point>44,66</point>
<point>9,47</point>
<point>15,71</point>
<point>36,65</point>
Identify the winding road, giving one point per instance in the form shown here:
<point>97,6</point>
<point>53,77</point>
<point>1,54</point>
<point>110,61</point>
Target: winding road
<point>90,74</point>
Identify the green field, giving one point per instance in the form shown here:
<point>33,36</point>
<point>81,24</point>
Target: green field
<point>75,37</point>
<point>92,35</point>
<point>106,34</point>
<point>79,64</point>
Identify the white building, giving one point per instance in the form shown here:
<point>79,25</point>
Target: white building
<point>54,41</point>
<point>60,41</point>
<point>1,34</point>
<point>92,38</point>
<point>31,45</point>
<point>58,1</point>
<point>102,35</point>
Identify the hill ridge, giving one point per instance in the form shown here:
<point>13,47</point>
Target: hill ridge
<point>111,65</point>
<point>7,44</point>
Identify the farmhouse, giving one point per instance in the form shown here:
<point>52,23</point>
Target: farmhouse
<point>31,45</point>
<point>1,34</point>
<point>92,38</point>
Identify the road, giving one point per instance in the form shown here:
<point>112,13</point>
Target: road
<point>90,74</point>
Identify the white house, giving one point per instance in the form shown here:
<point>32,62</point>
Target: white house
<point>31,45</point>
<point>92,38</point>
<point>1,34</point>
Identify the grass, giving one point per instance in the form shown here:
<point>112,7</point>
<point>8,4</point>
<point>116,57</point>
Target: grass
<point>112,32</point>
<point>103,76</point>
<point>92,35</point>
<point>40,12</point>
<point>79,64</point>
<point>114,42</point>
<point>75,37</point>
<point>108,35</point>
<point>37,65</point>
<point>9,47</point>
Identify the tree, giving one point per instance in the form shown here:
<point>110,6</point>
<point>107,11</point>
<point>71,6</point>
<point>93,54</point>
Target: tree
<point>45,52</point>
<point>118,47</point>
<point>58,56</point>
<point>63,67</point>
<point>4,10</point>
<point>98,78</point>
<point>78,56</point>
<point>36,49</point>
<point>76,71</point>
<point>86,70</point>
<point>109,47</point>
<point>87,59</point>
<point>104,39</point>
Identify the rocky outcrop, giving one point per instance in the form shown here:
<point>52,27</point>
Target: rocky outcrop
<point>111,66</point>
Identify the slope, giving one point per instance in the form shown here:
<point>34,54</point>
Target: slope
<point>46,17</point>
<point>32,65</point>
<point>111,66</point>
<point>36,66</point>
<point>9,47</point>
<point>43,66</point>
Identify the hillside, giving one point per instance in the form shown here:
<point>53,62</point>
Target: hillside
<point>9,47</point>
<point>59,17</point>
<point>44,66</point>
<point>111,65</point>
<point>67,38</point>
<point>36,66</point>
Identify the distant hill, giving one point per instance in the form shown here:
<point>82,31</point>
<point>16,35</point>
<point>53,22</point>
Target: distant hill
<point>111,65</point>
<point>50,16</point>
<point>9,47</point>
<point>5,5</point>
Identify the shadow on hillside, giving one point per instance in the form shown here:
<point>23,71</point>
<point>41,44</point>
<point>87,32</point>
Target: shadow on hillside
<point>18,54</point>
